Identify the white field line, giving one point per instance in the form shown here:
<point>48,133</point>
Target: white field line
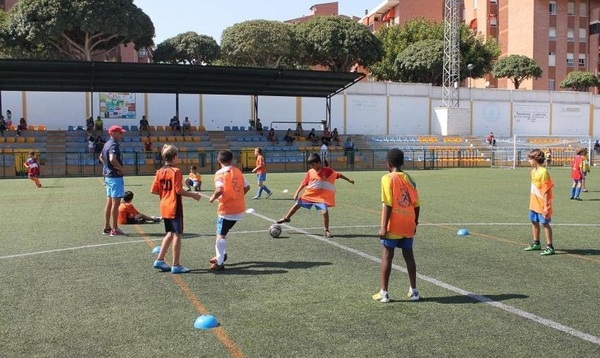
<point>524,314</point>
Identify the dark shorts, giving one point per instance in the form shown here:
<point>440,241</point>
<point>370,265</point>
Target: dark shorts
<point>406,243</point>
<point>174,225</point>
<point>224,225</point>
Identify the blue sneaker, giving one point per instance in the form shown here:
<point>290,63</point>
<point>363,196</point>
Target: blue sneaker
<point>161,265</point>
<point>179,269</point>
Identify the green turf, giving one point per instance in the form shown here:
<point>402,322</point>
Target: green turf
<point>69,291</point>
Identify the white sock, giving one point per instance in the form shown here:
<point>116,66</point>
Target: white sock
<point>220,248</point>
<point>413,290</point>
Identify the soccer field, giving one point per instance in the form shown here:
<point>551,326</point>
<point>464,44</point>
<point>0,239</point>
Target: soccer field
<point>69,291</point>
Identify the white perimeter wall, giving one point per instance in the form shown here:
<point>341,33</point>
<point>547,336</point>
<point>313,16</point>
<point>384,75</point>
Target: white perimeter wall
<point>372,108</point>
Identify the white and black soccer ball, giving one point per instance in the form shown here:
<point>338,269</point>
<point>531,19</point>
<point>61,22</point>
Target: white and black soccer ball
<point>275,230</point>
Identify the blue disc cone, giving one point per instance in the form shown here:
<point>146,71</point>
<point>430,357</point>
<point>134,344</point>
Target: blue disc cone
<point>462,232</point>
<point>206,321</point>
<point>156,250</point>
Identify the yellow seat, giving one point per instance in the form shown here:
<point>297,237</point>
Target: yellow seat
<point>8,150</point>
<point>10,140</point>
<point>188,139</point>
<point>171,139</point>
<point>201,149</point>
<point>31,128</point>
<point>201,129</point>
<point>20,140</point>
<point>183,149</point>
<point>2,139</point>
<point>196,139</point>
<point>41,127</point>
<point>160,128</point>
<point>151,128</point>
<point>149,162</point>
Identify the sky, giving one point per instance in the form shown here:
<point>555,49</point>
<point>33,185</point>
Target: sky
<point>211,17</point>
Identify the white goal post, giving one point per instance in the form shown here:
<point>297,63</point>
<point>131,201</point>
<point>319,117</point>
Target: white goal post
<point>563,147</point>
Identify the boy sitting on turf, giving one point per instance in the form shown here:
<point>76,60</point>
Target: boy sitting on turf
<point>128,214</point>
<point>320,191</point>
<point>194,179</point>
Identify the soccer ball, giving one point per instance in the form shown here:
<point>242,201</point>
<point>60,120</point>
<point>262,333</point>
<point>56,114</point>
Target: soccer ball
<point>275,230</point>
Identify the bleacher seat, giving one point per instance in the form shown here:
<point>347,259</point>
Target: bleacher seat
<point>71,128</point>
<point>125,127</point>
<point>41,127</point>
<point>227,129</point>
<point>201,128</point>
<point>242,128</point>
<point>134,128</point>
<point>80,128</point>
<point>235,128</point>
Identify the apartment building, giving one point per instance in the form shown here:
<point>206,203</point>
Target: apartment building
<point>397,12</point>
<point>324,9</point>
<point>560,35</point>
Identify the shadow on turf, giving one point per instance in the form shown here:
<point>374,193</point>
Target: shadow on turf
<point>461,299</point>
<point>264,267</point>
<point>582,252</point>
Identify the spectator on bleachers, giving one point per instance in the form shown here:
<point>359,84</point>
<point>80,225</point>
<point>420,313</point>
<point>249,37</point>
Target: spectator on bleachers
<point>490,139</point>
<point>144,126</point>
<point>326,137</point>
<point>99,125</point>
<point>272,138</point>
<point>349,150</point>
<point>8,118</point>
<point>597,147</point>
<point>91,146</point>
<point>289,138</point>
<point>175,124</point>
<point>312,136</point>
<point>187,126</point>
<point>89,125</point>
<point>2,125</point>
<point>299,131</point>
<point>158,157</point>
<point>148,147</point>
<point>99,143</point>
<point>259,127</point>
<point>335,137</point>
<point>22,126</point>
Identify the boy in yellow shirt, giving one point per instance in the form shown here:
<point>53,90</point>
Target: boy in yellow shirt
<point>194,179</point>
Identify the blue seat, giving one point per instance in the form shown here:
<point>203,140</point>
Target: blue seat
<point>227,129</point>
<point>242,128</point>
<point>235,128</point>
<point>80,128</point>
<point>125,127</point>
<point>71,128</point>
<point>134,128</point>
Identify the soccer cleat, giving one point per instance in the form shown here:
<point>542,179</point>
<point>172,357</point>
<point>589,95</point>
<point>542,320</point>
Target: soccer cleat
<point>156,219</point>
<point>117,232</point>
<point>533,247</point>
<point>269,195</point>
<point>578,198</point>
<point>214,259</point>
<point>255,197</point>
<point>106,232</point>
<point>584,190</point>
<point>161,265</point>
<point>382,296</point>
<point>214,267</point>
<point>328,234</point>
<point>548,251</point>
<point>413,295</point>
<point>283,220</point>
<point>179,269</point>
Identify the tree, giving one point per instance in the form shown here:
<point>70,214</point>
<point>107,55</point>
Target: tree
<point>517,68</point>
<point>421,62</point>
<point>189,48</point>
<point>580,81</point>
<point>257,43</point>
<point>396,39</point>
<point>337,43</point>
<point>78,29</point>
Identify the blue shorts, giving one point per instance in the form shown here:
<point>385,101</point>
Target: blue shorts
<point>309,205</point>
<point>174,225</point>
<point>115,187</point>
<point>261,177</point>
<point>224,225</point>
<point>406,243</point>
<point>538,218</point>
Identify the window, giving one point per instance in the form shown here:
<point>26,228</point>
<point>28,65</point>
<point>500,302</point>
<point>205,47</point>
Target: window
<point>552,33</point>
<point>582,35</point>
<point>493,21</point>
<point>571,9</point>
<point>474,4</point>
<point>551,85</point>
<point>569,60</point>
<point>582,60</point>
<point>493,2</point>
<point>583,9</point>
<point>570,35</point>
<point>551,59</point>
<point>552,7</point>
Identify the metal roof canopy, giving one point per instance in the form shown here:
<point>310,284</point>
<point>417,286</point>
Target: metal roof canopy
<point>75,76</point>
